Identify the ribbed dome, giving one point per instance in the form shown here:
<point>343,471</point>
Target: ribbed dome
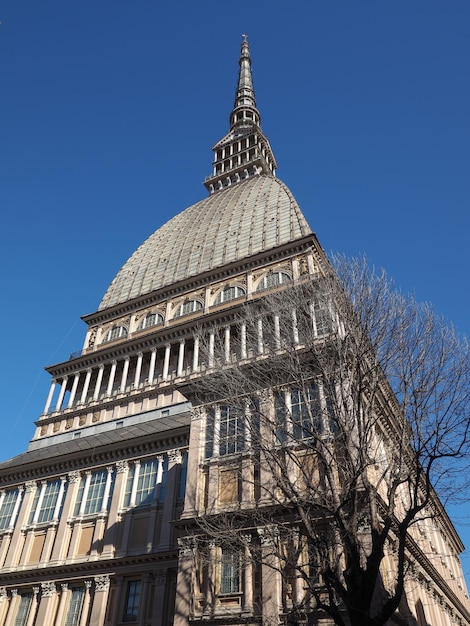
<point>252,216</point>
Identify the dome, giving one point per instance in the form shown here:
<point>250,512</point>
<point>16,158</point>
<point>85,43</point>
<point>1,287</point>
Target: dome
<point>252,216</point>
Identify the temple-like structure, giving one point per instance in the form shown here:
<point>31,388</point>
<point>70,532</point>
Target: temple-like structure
<point>98,516</point>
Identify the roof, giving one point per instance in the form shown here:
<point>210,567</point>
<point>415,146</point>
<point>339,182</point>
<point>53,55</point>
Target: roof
<point>250,217</point>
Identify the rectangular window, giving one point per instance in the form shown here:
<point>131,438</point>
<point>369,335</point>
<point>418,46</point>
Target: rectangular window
<point>306,412</point>
<point>23,609</point>
<point>93,491</point>
<point>232,430</point>
<point>7,508</point>
<point>146,483</point>
<point>131,607</point>
<point>230,571</point>
<point>47,503</point>
<point>74,610</point>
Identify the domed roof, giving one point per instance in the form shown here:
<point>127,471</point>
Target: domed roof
<point>252,216</point>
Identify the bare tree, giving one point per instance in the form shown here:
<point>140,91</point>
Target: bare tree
<point>352,402</point>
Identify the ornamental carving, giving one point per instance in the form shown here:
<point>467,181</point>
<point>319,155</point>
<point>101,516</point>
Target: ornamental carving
<point>185,546</point>
<point>196,413</point>
<point>3,593</point>
<point>69,423</point>
<point>92,338</point>
<point>121,466</point>
<point>268,535</point>
<point>303,266</point>
<point>102,583</point>
<point>82,420</point>
<point>73,476</point>
<point>14,593</point>
<point>160,576</point>
<point>31,485</point>
<point>56,427</point>
<point>64,587</point>
<point>174,456</point>
<point>48,589</point>
<point>96,416</point>
<point>44,429</point>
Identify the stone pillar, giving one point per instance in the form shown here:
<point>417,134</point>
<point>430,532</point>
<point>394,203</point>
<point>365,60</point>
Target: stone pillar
<point>64,593</point>
<point>216,442</point>
<point>159,596</point>
<point>113,516</point>
<point>227,344</point>
<point>33,608</point>
<point>144,598</point>
<point>196,445</point>
<point>14,600</point>
<point>99,378</point>
<point>112,375</point>
<point>98,610</point>
<point>196,354</point>
<point>74,390</point>
<point>60,545</point>
<point>101,520</point>
<point>260,337</point>
<point>125,371</point>
<point>86,603</point>
<point>117,605</point>
<point>6,541</point>
<point>47,604</point>
<point>179,370</point>
<point>166,362</point>
<point>271,577</point>
<point>60,399</point>
<point>153,357</point>
<point>247,576</point>
<point>243,352</point>
<point>277,332</point>
<point>295,328</point>
<point>211,348</point>
<point>3,604</point>
<point>174,461</point>
<point>86,386</point>
<point>183,584</point>
<point>16,544</point>
<point>138,369</point>
<point>49,397</point>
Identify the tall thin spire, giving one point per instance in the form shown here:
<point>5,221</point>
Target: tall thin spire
<point>244,151</point>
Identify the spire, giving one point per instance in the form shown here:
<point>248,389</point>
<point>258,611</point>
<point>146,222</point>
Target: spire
<point>245,96</point>
<point>244,151</point>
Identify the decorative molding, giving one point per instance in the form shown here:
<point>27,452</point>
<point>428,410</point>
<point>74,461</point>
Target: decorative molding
<point>74,476</point>
<point>160,576</point>
<point>121,466</point>
<point>102,582</point>
<point>31,485</point>
<point>48,589</point>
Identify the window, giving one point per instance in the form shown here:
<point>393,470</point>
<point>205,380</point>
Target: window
<point>273,279</point>
<point>188,307</point>
<point>141,483</point>
<point>232,427</point>
<point>131,607</point>
<point>306,411</point>
<point>23,609</point>
<point>303,413</point>
<point>229,293</point>
<point>116,332</point>
<point>75,607</point>
<point>321,318</point>
<point>92,492</point>
<point>7,507</point>
<point>45,502</point>
<point>230,571</point>
<point>151,319</point>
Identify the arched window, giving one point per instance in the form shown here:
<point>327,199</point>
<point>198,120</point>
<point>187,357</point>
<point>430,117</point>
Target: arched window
<point>151,319</point>
<point>273,279</point>
<point>229,293</point>
<point>187,307</point>
<point>116,332</point>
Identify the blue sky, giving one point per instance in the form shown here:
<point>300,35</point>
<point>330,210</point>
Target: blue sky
<point>109,111</point>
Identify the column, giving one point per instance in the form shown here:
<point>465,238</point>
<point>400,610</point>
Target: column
<point>196,443</point>
<point>47,603</point>
<point>49,396</point>
<point>227,344</point>
<point>260,336</point>
<point>86,385</point>
<point>100,523</point>
<point>113,516</point>
<point>243,341</point>
<point>99,378</point>
<point>277,332</point>
<point>270,573</point>
<point>247,576</point>
<point>196,354</point>
<point>112,374</point>
<point>153,356</point>
<point>62,602</point>
<point>86,603</point>
<point>125,371</point>
<point>174,460</point>
<point>14,549</point>
<point>12,608</point>
<point>59,550</point>
<point>60,399</point>
<point>86,489</point>
<point>166,362</point>
<point>135,481</point>
<point>183,584</point>
<point>216,443</point>
<point>158,607</point>
<point>117,605</point>
<point>74,390</point>
<point>40,500</point>
<point>3,603</point>
<point>33,608</point>
<point>179,371</point>
<point>144,600</point>
<point>100,599</point>
<point>295,329</point>
<point>138,369</point>
<point>211,348</point>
